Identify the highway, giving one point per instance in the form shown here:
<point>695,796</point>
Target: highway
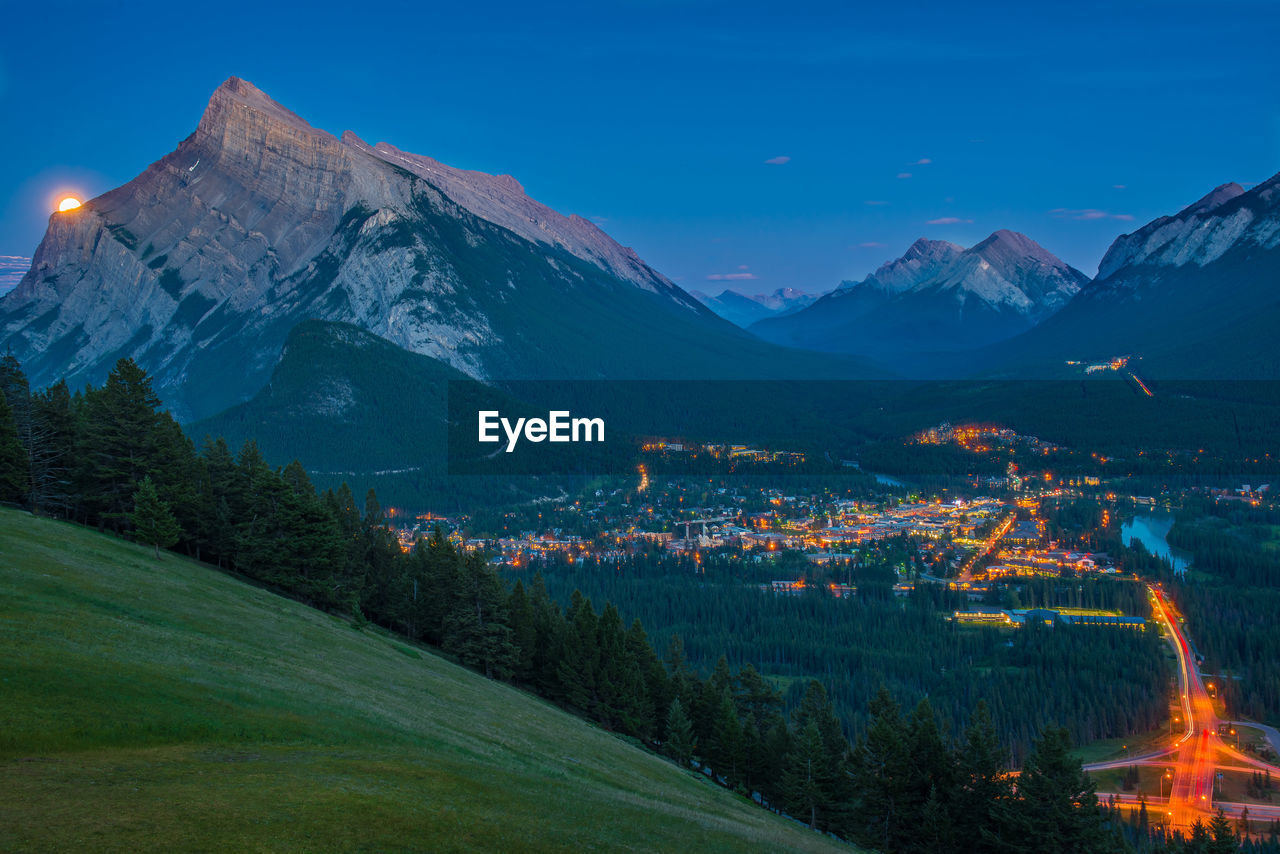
<point>1200,751</point>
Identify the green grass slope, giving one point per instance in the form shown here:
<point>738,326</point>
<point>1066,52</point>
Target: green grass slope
<point>162,705</point>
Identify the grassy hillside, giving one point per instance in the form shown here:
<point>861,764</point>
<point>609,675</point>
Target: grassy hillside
<point>160,705</point>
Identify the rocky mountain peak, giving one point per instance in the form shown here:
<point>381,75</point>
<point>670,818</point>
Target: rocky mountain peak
<point>1005,246</point>
<point>202,263</point>
<point>1219,196</point>
<point>239,102</point>
<point>925,248</point>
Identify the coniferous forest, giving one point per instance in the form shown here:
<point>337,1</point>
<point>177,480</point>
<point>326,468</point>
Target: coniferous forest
<point>1097,684</point>
<point>889,779</point>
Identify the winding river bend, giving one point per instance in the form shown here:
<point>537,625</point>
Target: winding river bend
<point>1152,530</point>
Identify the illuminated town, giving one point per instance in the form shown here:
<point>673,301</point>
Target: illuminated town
<point>983,539</point>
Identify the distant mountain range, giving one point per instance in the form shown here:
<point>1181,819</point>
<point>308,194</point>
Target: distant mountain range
<point>937,297</point>
<point>201,266</point>
<point>745,309</point>
<point>1192,295</point>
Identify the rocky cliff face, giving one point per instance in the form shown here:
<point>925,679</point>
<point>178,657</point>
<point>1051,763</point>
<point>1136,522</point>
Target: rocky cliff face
<point>1199,234</point>
<point>201,265</point>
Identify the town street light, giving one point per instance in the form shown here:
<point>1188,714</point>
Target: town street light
<point>1168,775</point>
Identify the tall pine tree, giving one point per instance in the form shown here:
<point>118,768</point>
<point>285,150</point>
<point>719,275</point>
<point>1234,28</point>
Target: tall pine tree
<point>153,521</point>
<point>681,744</point>
<point>1056,811</point>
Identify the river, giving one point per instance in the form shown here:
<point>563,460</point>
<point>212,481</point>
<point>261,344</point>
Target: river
<point>1151,530</point>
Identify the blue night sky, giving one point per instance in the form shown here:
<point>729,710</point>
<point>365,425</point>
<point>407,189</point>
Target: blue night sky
<point>782,144</point>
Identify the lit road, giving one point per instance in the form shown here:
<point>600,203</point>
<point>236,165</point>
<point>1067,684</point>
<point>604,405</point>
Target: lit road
<point>1141,384</point>
<point>966,573</point>
<point>1201,752</point>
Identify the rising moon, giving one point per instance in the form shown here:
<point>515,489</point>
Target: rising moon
<point>70,203</point>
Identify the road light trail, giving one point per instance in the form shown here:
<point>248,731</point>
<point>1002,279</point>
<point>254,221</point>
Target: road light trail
<point>1191,793</point>
<point>1141,384</point>
<point>966,573</point>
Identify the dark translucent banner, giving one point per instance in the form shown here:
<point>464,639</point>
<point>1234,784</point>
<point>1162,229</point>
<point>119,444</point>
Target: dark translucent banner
<point>1111,426</point>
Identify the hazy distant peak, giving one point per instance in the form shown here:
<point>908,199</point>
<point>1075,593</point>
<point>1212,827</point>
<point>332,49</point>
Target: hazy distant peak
<point>745,309</point>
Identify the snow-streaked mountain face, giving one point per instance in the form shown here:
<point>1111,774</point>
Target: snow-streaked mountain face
<point>745,309</point>
<point>200,266</point>
<point>1008,272</point>
<point>922,262</point>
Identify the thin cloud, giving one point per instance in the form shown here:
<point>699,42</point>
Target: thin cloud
<point>923,161</point>
<point>874,203</point>
<point>870,244</point>
<point>949,220</point>
<point>730,277</point>
<point>778,161</point>
<point>904,174</point>
<point>1087,214</point>
<point>1119,187</point>
<point>12,269</point>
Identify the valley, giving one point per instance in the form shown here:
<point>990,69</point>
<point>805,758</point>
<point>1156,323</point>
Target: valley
<point>354,500</point>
